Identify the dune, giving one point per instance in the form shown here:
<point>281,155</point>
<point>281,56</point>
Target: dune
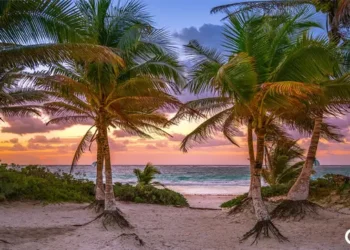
<point>29,226</point>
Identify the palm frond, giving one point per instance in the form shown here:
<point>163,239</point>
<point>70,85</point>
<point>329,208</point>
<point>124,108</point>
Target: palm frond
<point>206,129</point>
<point>39,21</point>
<point>23,110</point>
<point>266,6</point>
<point>73,119</point>
<point>46,54</point>
<point>82,146</point>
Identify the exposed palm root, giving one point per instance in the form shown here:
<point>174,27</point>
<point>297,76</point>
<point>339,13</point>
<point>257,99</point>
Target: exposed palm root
<point>98,206</point>
<point>137,238</point>
<point>263,228</point>
<point>296,210</point>
<point>246,204</point>
<point>110,218</point>
<point>115,217</point>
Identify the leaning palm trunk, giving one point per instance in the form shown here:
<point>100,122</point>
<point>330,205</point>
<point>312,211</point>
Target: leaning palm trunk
<point>297,204</point>
<point>300,189</point>
<point>264,224</point>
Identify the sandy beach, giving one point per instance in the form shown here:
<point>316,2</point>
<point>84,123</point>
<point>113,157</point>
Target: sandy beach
<point>30,226</point>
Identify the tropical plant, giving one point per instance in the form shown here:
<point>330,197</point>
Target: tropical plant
<point>37,32</point>
<point>32,34</point>
<point>146,176</point>
<point>338,21</point>
<point>149,194</point>
<point>127,29</point>
<point>282,161</point>
<point>127,94</point>
<point>14,98</point>
<point>266,80</point>
<point>100,95</point>
<point>337,11</point>
<point>38,183</point>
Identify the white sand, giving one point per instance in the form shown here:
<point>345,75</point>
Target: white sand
<point>210,190</point>
<point>207,201</point>
<point>28,226</point>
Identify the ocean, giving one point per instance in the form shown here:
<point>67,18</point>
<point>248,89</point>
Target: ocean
<point>193,179</point>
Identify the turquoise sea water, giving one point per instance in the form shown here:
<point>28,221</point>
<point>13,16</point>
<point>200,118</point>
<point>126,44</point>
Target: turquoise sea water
<point>191,175</point>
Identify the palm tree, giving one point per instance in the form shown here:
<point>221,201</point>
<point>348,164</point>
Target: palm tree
<point>146,176</point>
<point>338,19</point>
<point>282,160</point>
<point>37,32</point>
<point>102,95</point>
<point>252,86</point>
<point>127,29</point>
<point>30,33</point>
<point>337,11</point>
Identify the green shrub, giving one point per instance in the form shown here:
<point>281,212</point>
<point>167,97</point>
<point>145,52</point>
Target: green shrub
<point>330,185</point>
<point>266,192</point>
<point>321,190</point>
<point>37,183</point>
<point>234,202</point>
<point>148,194</point>
<point>275,190</point>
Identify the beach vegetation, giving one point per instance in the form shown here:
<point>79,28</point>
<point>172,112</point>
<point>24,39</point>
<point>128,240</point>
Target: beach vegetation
<point>283,161</point>
<point>266,192</point>
<point>34,183</point>
<point>146,176</point>
<point>331,189</point>
<point>149,194</point>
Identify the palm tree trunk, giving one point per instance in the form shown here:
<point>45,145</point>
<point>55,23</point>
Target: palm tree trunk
<point>300,189</point>
<point>112,215</point>
<point>264,226</point>
<point>260,209</point>
<point>251,154</point>
<point>110,204</point>
<point>100,193</point>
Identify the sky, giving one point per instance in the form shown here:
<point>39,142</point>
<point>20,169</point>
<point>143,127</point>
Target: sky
<point>27,140</point>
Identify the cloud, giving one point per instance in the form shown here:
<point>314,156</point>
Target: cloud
<point>150,147</point>
<point>209,35</point>
<point>30,125</point>
<point>177,137</point>
<point>36,146</point>
<point>14,140</point>
<point>18,147</point>
<point>162,144</point>
<point>116,146</point>
<point>43,139</point>
<point>121,134</point>
<point>214,143</point>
